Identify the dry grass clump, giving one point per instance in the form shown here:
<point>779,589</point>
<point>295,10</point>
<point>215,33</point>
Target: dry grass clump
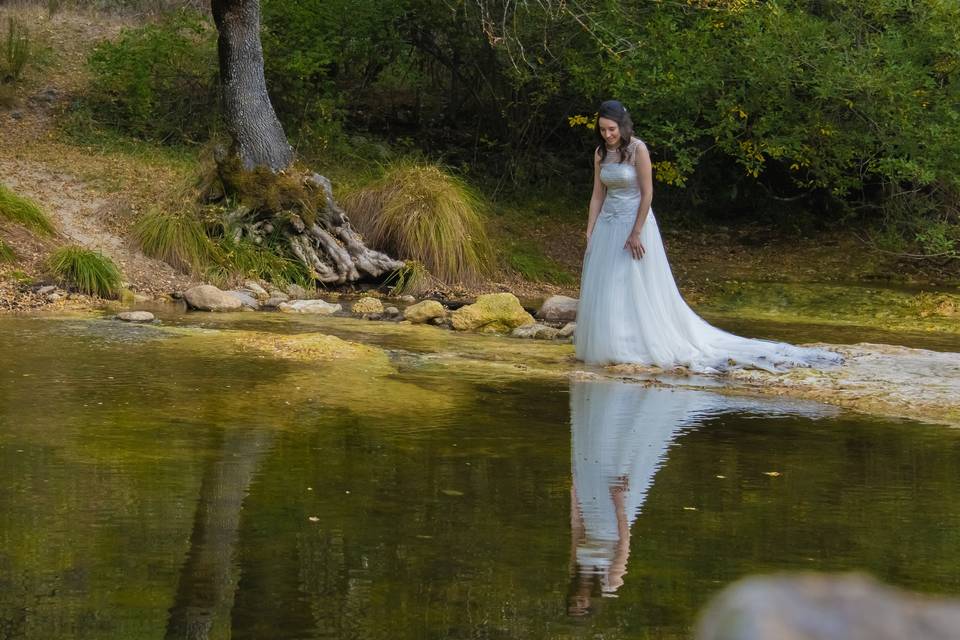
<point>418,212</point>
<point>24,212</point>
<point>89,271</point>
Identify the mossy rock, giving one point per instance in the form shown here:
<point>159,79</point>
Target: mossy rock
<point>424,311</point>
<point>367,305</point>
<point>492,313</point>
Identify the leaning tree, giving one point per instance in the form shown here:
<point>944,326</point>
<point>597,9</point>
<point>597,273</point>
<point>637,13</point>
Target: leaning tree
<point>278,198</point>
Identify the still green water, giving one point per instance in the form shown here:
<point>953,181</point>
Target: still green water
<point>155,484</point>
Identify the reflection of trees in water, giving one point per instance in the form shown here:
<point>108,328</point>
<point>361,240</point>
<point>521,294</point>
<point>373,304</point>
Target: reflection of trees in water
<point>208,578</point>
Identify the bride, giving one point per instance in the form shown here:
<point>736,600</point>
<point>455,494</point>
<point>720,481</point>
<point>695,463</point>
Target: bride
<point>630,309</point>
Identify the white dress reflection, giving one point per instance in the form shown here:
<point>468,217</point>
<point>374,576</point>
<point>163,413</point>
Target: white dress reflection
<point>621,434</point>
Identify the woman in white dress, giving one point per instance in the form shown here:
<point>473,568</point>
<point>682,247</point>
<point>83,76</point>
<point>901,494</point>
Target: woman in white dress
<point>630,309</point>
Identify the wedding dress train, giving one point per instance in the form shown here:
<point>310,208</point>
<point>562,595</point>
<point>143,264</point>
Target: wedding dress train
<point>630,311</point>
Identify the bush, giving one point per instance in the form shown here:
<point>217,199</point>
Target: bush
<point>24,212</point>
<point>159,81</point>
<point>89,271</point>
<point>418,212</point>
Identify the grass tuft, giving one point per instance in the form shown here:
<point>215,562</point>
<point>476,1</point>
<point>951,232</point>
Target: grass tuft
<point>239,260</point>
<point>418,212</point>
<point>89,271</point>
<point>24,212</point>
<point>16,51</point>
<point>412,278</point>
<point>178,239</point>
<point>7,254</point>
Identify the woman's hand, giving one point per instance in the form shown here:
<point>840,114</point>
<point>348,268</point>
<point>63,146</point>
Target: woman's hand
<point>634,246</point>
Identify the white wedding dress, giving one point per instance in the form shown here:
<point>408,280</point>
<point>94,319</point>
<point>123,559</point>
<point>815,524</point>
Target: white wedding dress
<point>630,311</point>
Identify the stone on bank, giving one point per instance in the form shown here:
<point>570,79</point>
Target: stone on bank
<point>492,313</point>
<point>206,297</point>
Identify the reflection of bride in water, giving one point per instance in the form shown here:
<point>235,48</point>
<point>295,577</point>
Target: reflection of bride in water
<point>620,436</point>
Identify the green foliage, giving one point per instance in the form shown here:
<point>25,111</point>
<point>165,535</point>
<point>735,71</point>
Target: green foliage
<point>178,239</point>
<point>89,271</point>
<point>528,260</point>
<point>419,212</point>
<point>238,260</point>
<point>16,51</point>
<point>158,81</point>
<point>7,254</point>
<point>24,211</point>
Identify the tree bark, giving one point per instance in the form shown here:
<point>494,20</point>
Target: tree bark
<point>258,137</point>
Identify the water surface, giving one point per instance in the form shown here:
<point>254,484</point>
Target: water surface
<point>155,484</point>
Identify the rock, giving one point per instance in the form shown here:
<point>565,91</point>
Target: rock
<point>372,316</point>
<point>825,607</point>
<point>297,292</point>
<point>568,330</point>
<point>424,311</point>
<point>206,297</point>
<point>256,290</point>
<point>54,297</point>
<point>558,309</point>
<point>310,306</point>
<point>407,299</point>
<point>537,331</point>
<point>247,300</point>
<point>441,321</point>
<point>367,305</point>
<point>391,311</point>
<point>492,313</point>
<point>47,289</point>
<point>135,316</point>
<point>276,293</point>
<point>140,298</point>
<point>274,301</point>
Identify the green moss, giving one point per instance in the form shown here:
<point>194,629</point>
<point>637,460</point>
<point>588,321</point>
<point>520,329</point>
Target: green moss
<point>24,211</point>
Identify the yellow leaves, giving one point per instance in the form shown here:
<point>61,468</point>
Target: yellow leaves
<point>667,172</point>
<point>582,121</point>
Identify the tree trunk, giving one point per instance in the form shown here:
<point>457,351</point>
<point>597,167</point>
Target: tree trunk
<point>323,241</point>
<point>258,137</point>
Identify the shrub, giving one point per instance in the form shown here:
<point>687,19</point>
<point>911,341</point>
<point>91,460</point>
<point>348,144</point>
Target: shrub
<point>24,212</point>
<point>178,239</point>
<point>6,253</point>
<point>89,271</point>
<point>159,81</point>
<point>418,212</point>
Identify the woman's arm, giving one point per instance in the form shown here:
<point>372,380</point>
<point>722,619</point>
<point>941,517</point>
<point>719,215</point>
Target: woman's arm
<point>596,199</point>
<point>645,182</point>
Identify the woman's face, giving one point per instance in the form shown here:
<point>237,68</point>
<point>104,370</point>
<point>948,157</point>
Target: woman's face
<point>610,131</point>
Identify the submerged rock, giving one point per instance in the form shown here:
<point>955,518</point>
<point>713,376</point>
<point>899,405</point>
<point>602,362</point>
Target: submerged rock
<point>367,305</point>
<point>492,313</point>
<point>558,309</point>
<point>823,607</point>
<point>424,311</point>
<point>310,306</point>
<point>537,331</point>
<point>135,316</point>
<point>206,297</point>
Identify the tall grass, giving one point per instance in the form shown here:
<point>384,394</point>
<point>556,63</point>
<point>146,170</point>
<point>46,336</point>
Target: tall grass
<point>89,271</point>
<point>6,253</point>
<point>419,212</point>
<point>24,212</point>
<point>178,239</point>
<point>16,51</point>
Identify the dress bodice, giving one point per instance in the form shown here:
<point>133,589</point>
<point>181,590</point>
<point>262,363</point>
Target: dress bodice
<point>623,189</point>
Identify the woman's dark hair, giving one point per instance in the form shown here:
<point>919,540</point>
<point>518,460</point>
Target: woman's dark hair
<point>613,110</point>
